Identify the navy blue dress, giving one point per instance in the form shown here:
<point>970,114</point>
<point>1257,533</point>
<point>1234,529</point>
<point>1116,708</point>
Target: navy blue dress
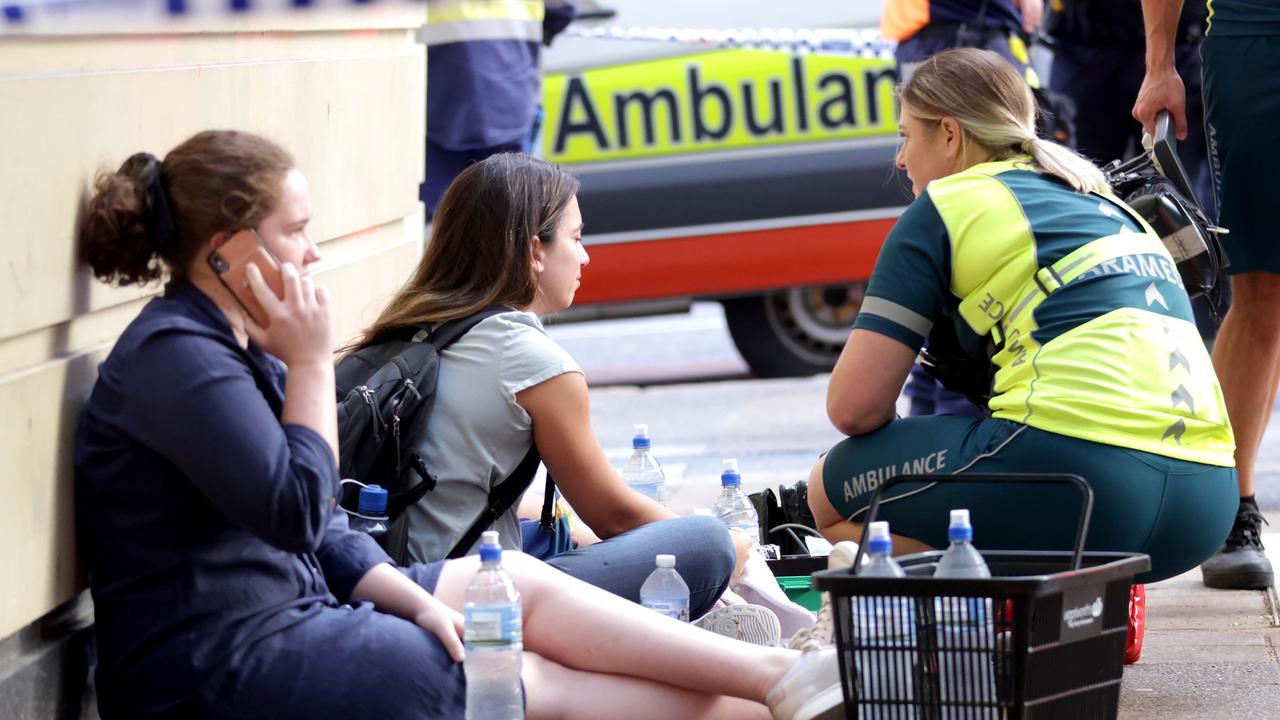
<point>217,562</point>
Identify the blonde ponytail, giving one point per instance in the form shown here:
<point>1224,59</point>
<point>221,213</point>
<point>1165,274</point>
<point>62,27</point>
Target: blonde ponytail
<point>1063,163</point>
<point>995,110</point>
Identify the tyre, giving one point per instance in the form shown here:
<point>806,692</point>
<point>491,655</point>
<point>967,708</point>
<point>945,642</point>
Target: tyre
<point>793,332</point>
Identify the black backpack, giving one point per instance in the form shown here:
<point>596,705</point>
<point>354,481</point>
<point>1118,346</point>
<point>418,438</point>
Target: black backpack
<point>385,395</point>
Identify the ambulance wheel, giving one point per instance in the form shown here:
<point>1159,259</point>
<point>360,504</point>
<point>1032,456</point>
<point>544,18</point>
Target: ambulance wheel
<point>794,332</point>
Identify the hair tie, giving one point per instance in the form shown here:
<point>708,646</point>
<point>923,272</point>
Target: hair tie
<point>160,225</point>
<point>1028,144</point>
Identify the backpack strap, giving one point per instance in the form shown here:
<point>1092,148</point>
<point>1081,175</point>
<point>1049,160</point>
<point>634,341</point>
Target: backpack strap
<point>503,497</point>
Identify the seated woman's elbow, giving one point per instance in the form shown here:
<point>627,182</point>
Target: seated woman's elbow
<point>299,522</point>
<point>853,420</point>
<point>303,535</point>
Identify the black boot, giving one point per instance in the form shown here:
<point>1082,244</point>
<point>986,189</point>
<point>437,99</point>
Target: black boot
<point>1241,564</point>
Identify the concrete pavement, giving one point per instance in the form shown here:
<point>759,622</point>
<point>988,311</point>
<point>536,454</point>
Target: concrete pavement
<point>1209,654</point>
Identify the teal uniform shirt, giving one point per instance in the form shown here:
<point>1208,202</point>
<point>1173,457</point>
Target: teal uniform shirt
<point>1110,354</point>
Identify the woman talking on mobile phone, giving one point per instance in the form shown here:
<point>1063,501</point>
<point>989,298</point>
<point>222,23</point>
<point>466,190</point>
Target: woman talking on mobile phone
<point>225,583</point>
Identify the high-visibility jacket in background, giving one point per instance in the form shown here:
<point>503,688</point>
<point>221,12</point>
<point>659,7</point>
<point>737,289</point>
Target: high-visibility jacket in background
<point>482,68</point>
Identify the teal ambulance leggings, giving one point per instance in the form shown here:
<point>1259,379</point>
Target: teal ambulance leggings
<point>1177,512</point>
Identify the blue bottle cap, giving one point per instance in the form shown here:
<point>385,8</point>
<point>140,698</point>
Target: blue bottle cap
<point>730,477</point>
<point>373,500</point>
<point>490,547</point>
<point>879,541</point>
<point>640,441</point>
<point>960,530</point>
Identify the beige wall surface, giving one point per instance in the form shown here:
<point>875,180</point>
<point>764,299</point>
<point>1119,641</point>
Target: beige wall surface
<point>347,102</point>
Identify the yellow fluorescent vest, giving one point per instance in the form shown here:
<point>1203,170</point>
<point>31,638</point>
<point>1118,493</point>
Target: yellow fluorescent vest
<point>1131,377</point>
<point>450,21</point>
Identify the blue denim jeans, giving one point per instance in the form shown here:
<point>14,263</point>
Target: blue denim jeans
<point>704,558</point>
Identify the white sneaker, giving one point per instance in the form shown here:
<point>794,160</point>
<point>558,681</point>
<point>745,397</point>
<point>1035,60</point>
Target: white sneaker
<point>821,634</point>
<point>755,624</point>
<point>810,690</point>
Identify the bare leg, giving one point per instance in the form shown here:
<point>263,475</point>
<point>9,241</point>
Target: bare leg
<point>835,528</point>
<point>1246,356</point>
<point>585,628</point>
<point>555,691</point>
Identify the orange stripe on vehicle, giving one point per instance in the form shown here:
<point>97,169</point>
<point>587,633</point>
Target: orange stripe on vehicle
<point>732,263</point>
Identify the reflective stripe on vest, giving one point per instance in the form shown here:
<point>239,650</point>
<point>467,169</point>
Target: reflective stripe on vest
<point>451,21</point>
<point>1132,376</point>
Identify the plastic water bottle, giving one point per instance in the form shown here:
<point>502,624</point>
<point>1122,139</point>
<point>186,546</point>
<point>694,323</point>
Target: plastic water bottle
<point>966,637</point>
<point>642,472</point>
<point>494,639</point>
<point>733,507</point>
<point>665,591</point>
<point>887,626</point>
<point>371,515</point>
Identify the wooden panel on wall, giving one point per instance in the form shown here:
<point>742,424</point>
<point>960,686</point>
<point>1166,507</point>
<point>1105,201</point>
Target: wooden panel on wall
<point>355,126</point>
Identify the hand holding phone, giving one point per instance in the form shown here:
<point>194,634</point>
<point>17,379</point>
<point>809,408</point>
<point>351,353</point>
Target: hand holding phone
<point>230,261</point>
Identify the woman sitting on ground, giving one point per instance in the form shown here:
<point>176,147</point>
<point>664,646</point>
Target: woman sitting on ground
<point>225,583</point>
<point>508,233</point>
<point>1082,333</point>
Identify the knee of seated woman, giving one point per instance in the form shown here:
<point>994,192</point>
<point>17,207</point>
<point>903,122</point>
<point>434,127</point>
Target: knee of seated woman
<point>706,543</point>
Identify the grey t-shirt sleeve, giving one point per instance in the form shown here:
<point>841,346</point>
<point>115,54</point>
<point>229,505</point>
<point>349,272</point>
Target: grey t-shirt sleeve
<point>530,357</point>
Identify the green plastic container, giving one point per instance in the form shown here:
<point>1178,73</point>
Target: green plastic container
<point>792,573</point>
<point>801,592</point>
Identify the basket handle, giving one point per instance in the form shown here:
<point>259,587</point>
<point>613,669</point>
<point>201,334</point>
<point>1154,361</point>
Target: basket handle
<point>1082,529</point>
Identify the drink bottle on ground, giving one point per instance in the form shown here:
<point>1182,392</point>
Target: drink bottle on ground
<point>642,472</point>
<point>733,507</point>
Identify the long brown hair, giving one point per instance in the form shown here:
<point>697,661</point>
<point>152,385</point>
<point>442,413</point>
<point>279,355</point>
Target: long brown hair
<point>481,245</point>
<point>995,109</point>
<point>218,180</point>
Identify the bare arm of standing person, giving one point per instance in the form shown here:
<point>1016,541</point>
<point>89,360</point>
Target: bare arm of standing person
<point>1162,88</point>
<point>1032,14</point>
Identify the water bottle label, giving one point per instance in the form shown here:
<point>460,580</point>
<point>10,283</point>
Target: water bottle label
<point>677,610</point>
<point>493,624</point>
<point>884,619</point>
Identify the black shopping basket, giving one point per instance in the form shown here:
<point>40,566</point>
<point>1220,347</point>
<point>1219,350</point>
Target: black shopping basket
<point>1042,638</point>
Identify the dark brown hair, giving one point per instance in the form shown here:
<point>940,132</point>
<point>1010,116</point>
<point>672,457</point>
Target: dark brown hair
<point>481,244</point>
<point>218,180</point>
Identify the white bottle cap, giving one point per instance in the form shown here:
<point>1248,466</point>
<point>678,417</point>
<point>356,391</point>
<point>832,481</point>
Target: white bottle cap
<point>879,531</point>
<point>959,517</point>
<point>666,561</point>
<point>489,537</point>
<point>642,431</point>
<point>731,465</point>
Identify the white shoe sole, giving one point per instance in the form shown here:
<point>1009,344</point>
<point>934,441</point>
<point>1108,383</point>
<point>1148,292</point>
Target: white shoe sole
<point>826,705</point>
<point>748,623</point>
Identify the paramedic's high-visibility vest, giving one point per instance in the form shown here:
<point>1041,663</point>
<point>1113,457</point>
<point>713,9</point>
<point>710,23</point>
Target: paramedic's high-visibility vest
<point>451,21</point>
<point>1131,371</point>
<point>482,70</point>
